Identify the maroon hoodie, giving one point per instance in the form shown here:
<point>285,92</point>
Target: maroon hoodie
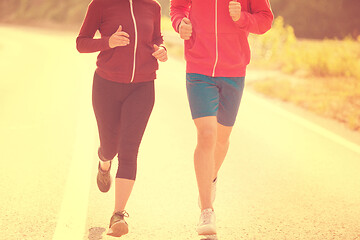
<point>141,20</point>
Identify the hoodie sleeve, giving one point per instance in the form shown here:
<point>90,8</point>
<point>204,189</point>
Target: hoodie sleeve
<point>178,10</point>
<point>85,42</point>
<point>259,19</point>
<point>157,36</point>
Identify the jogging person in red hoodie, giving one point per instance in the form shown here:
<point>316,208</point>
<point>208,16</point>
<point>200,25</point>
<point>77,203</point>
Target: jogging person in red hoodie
<point>216,53</point>
<point>123,87</point>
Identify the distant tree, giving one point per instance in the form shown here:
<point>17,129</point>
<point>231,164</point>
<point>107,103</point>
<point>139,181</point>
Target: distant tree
<point>321,18</point>
<point>310,19</point>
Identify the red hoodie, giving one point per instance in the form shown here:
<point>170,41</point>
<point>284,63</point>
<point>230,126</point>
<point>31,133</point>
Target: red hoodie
<point>141,20</point>
<point>219,46</point>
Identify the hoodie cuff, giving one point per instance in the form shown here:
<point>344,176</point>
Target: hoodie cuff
<point>176,24</point>
<point>163,46</point>
<point>105,43</point>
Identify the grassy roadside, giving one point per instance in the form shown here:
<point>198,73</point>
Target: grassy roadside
<point>336,98</point>
<point>320,76</point>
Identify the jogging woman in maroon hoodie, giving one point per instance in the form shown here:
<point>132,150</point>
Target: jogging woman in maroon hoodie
<point>123,87</point>
<point>217,53</point>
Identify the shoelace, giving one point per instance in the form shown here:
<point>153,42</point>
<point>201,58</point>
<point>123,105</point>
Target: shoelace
<point>123,214</point>
<point>206,216</point>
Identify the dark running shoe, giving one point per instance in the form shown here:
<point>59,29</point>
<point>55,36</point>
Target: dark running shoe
<point>118,225</point>
<point>104,179</point>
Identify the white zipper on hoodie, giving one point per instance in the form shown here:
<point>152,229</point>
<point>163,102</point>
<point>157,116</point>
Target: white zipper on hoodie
<point>216,38</point>
<point>135,44</point>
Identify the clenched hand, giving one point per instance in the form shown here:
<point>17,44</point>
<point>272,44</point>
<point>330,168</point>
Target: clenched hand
<point>119,38</point>
<point>235,10</point>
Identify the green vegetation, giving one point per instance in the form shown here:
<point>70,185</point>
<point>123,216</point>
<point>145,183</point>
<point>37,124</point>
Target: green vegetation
<point>49,11</point>
<point>320,19</point>
<point>311,19</point>
<point>279,48</point>
<point>321,76</point>
<point>25,11</point>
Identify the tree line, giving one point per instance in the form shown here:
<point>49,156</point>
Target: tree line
<point>310,19</point>
<point>320,19</point>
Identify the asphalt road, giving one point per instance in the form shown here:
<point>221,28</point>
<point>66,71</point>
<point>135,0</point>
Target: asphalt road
<point>284,177</point>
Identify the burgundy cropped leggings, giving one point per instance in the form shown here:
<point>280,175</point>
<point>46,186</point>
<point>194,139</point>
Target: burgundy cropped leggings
<point>122,111</point>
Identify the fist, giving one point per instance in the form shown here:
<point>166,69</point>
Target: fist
<point>160,53</point>
<point>185,29</point>
<point>119,38</point>
<point>235,10</point>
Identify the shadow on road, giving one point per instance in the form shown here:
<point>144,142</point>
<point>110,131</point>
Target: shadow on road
<point>95,233</point>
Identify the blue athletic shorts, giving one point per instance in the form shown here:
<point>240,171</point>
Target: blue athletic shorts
<point>214,96</point>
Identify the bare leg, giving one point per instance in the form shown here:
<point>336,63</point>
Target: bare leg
<point>222,146</point>
<point>104,165</point>
<point>204,157</point>
<point>123,188</point>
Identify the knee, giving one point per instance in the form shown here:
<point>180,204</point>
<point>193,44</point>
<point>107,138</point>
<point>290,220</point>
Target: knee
<point>207,137</point>
<point>222,142</point>
<point>106,155</point>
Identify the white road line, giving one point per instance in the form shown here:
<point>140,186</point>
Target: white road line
<point>309,125</point>
<point>73,212</point>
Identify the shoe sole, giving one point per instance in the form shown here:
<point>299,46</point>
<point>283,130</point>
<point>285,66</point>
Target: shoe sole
<point>206,230</point>
<point>209,237</point>
<point>118,229</point>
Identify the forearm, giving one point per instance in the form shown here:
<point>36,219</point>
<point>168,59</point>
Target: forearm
<point>85,42</point>
<point>255,23</point>
<point>178,10</point>
<point>157,35</point>
<point>258,20</point>
<point>90,45</point>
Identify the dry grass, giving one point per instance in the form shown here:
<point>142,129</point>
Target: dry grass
<point>321,76</point>
<point>280,49</point>
<point>337,98</point>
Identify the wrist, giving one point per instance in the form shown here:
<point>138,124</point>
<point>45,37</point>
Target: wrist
<point>235,19</point>
<point>163,46</point>
<point>107,40</point>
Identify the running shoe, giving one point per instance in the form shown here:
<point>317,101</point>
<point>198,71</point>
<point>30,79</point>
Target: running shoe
<point>118,226</point>
<point>207,222</point>
<point>103,179</point>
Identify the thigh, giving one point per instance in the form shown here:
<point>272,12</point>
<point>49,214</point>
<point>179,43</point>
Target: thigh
<point>107,109</point>
<point>105,100</point>
<point>231,90</point>
<point>135,114</point>
<point>203,95</point>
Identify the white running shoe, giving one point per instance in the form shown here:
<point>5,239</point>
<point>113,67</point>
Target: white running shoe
<point>213,193</point>
<point>207,222</point>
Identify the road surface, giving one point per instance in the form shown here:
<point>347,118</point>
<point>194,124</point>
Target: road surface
<point>284,177</point>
